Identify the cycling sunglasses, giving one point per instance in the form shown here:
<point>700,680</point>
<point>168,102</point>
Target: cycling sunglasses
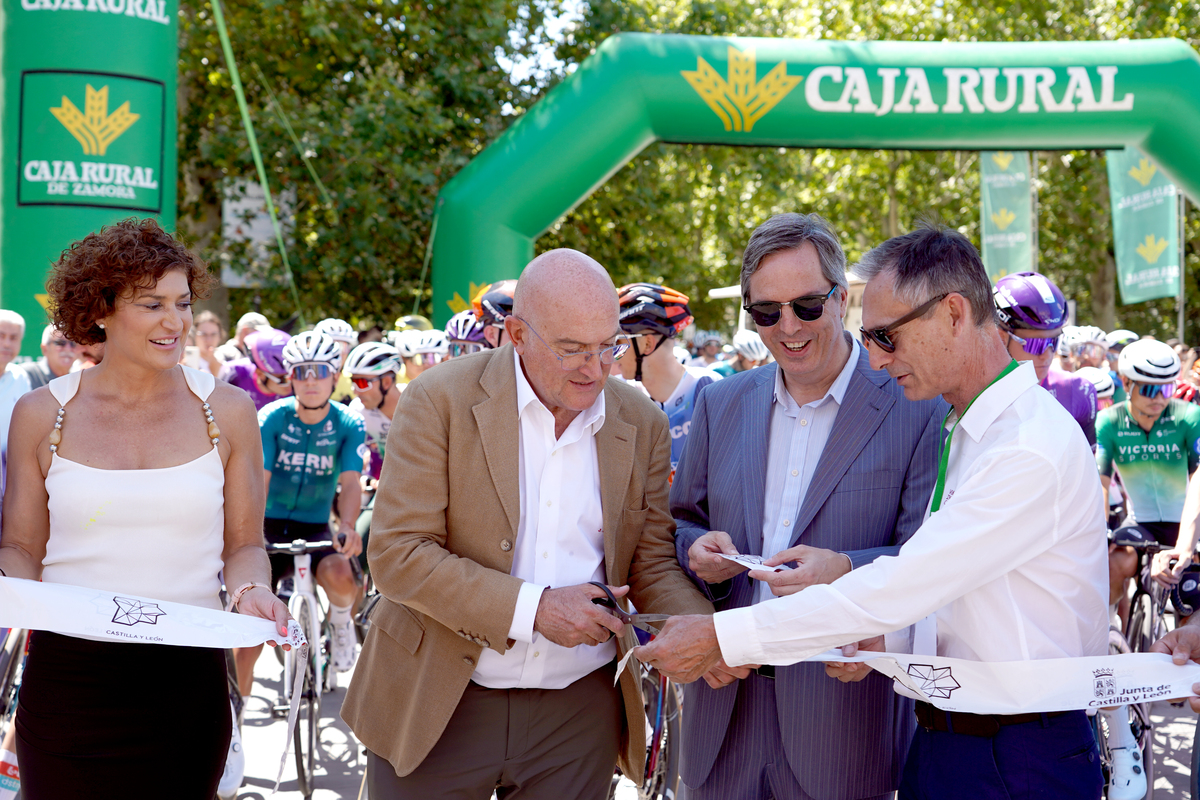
<point>363,383</point>
<point>807,308</point>
<point>428,359</point>
<point>1036,345</point>
<point>275,378</point>
<point>1153,390</point>
<point>302,372</point>
<point>883,336</point>
<point>464,348</point>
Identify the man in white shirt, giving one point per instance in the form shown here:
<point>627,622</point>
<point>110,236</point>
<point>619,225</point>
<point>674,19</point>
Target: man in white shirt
<point>518,475</point>
<point>1009,565</point>
<point>14,381</point>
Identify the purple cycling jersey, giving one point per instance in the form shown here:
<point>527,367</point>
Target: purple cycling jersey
<point>1077,395</point>
<point>241,373</point>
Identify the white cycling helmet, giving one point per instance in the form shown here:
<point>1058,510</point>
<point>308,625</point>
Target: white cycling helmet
<point>311,347</point>
<point>1100,379</point>
<point>749,346</point>
<point>1120,338</point>
<point>337,329</point>
<point>411,343</point>
<point>682,355</point>
<point>372,359</point>
<point>1149,361</point>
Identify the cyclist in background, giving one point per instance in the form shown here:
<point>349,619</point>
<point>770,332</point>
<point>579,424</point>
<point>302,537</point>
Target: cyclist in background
<point>409,322</point>
<point>1032,310</point>
<point>651,316</point>
<point>492,305</point>
<point>464,334</point>
<point>344,334</point>
<point>1117,341</point>
<point>420,350</point>
<point>751,352</point>
<point>372,368</point>
<point>310,452</point>
<point>1102,381</point>
<point>262,374</point>
<point>707,345</point>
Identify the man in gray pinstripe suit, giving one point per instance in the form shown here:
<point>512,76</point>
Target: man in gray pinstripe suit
<point>822,459</point>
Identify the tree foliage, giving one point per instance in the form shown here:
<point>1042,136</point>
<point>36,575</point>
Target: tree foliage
<point>389,98</point>
<point>682,214</point>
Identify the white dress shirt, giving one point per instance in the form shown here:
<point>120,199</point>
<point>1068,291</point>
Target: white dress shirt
<point>14,382</point>
<point>560,542</point>
<point>1014,565</point>
<point>797,439</point>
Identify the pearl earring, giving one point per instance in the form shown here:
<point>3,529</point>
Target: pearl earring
<point>101,326</point>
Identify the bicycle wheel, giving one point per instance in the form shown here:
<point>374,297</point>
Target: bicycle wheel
<point>12,659</point>
<point>305,734</point>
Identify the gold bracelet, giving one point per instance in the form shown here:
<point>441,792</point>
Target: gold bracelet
<point>241,590</point>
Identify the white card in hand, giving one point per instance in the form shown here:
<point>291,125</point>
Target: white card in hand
<point>753,562</point>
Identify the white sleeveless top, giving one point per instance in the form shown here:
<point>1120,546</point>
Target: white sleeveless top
<point>151,532</point>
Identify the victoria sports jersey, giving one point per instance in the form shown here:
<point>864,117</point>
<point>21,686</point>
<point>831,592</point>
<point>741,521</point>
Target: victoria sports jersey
<point>1154,465</point>
<point>1077,395</point>
<point>306,460</point>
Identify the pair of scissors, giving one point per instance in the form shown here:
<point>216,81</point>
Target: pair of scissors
<point>650,623</point>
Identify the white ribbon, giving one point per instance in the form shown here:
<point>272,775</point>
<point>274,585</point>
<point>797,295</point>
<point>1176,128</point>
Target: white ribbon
<point>117,617</point>
<point>1020,687</point>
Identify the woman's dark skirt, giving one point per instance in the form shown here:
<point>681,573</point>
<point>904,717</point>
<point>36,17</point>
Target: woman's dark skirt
<point>109,719</point>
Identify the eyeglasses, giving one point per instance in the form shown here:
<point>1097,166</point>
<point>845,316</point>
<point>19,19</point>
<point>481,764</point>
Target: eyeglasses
<point>464,348</point>
<point>807,308</point>
<point>61,343</point>
<point>883,336</point>
<point>1035,345</point>
<point>302,372</point>
<point>363,384</point>
<point>1153,390</point>
<point>427,359</point>
<point>573,361</point>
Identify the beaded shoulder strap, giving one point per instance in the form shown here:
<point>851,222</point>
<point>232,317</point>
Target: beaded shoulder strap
<point>67,386</point>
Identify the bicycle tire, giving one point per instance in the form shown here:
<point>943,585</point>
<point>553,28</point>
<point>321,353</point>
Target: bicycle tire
<point>661,779</point>
<point>305,735</point>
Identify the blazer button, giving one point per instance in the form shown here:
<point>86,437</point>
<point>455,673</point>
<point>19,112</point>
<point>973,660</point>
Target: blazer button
<point>506,545</point>
<point>470,662</point>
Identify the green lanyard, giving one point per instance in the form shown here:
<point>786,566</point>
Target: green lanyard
<point>944,461</point>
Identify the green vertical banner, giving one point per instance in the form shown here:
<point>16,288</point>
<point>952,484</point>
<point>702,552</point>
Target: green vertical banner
<point>88,138</point>
<point>1145,210</point>
<point>1006,213</point>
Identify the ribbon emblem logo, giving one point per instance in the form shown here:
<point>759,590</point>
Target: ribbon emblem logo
<point>934,681</point>
<point>1104,684</point>
<point>94,127</point>
<point>742,99</point>
<point>130,612</point>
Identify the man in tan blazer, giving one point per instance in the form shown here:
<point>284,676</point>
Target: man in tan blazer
<point>512,478</point>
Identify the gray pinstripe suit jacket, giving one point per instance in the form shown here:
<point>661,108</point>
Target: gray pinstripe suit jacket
<point>867,496</point>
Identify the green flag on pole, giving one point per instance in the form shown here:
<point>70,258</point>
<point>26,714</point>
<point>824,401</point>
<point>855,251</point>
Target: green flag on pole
<point>1145,210</point>
<point>1006,213</point>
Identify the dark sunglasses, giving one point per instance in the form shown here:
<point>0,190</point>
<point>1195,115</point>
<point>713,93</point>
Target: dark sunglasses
<point>807,308</point>
<point>1036,345</point>
<point>1152,390</point>
<point>61,343</point>
<point>363,383</point>
<point>302,372</point>
<point>883,336</point>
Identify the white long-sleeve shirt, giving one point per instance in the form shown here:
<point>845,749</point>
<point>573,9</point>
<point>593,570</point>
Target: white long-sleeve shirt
<point>1014,565</point>
<point>560,542</point>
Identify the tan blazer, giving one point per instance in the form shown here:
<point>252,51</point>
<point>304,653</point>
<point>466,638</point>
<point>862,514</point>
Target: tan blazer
<point>442,543</point>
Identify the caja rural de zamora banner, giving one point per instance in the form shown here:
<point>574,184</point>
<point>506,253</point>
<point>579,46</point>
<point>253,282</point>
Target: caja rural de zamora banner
<point>1006,218</point>
<point>1145,211</point>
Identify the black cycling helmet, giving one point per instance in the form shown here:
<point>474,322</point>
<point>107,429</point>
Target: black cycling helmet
<point>495,302</point>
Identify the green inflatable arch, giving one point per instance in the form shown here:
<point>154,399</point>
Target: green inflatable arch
<point>639,88</point>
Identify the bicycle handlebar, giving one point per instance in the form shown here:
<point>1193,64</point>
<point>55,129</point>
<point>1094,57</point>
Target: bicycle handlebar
<point>298,547</point>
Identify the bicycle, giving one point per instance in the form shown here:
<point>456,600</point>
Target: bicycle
<point>14,644</point>
<point>319,676</point>
<point>664,708</point>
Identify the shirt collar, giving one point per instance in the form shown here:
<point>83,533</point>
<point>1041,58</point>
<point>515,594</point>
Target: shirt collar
<point>591,419</point>
<point>993,400</point>
<point>837,389</point>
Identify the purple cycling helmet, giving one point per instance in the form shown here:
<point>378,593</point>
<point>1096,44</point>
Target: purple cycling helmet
<point>266,350</point>
<point>1029,300</point>
<point>465,327</point>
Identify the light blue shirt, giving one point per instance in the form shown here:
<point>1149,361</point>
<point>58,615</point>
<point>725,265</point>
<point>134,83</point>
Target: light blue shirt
<point>797,439</point>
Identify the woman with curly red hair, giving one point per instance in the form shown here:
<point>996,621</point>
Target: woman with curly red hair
<point>138,476</point>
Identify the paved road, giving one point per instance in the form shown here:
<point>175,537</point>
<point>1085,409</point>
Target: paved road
<point>1174,729</point>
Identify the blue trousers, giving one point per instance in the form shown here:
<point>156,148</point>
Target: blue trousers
<point>1055,759</point>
